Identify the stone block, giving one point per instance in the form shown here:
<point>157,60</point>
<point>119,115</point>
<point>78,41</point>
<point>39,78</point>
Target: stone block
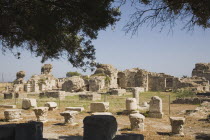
<point>136,92</point>
<point>53,94</point>
<point>129,137</point>
<point>101,113</point>
<point>69,117</point>
<point>28,103</point>
<point>99,127</point>
<point>155,109</point>
<point>177,124</point>
<point>99,107</point>
<point>29,131</point>
<point>137,121</point>
<point>41,113</point>
<point>79,109</point>
<point>8,95</point>
<point>131,104</point>
<point>52,105</point>
<point>7,106</point>
<point>12,115</point>
<point>7,132</point>
<point>118,92</point>
<point>91,97</point>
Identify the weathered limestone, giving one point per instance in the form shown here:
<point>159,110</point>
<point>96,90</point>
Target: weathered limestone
<point>28,103</point>
<point>202,70</point>
<point>99,107</point>
<point>79,109</point>
<point>52,105</point>
<point>137,121</point>
<point>118,92</point>
<point>7,106</point>
<point>19,77</point>
<point>155,109</point>
<point>131,104</point>
<point>54,94</point>
<point>46,69</point>
<point>133,78</point>
<point>69,117</point>
<point>74,84</point>
<point>144,107</point>
<point>92,97</point>
<point>110,71</point>
<point>43,82</point>
<point>136,92</point>
<point>101,113</point>
<point>12,115</point>
<point>41,113</point>
<point>96,83</point>
<point>99,127</point>
<point>177,125</point>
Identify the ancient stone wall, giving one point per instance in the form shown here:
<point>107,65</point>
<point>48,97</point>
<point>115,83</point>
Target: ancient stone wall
<point>73,84</point>
<point>133,78</point>
<point>110,71</point>
<point>202,70</point>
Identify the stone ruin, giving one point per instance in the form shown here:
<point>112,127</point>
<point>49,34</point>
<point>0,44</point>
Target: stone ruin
<point>202,70</point>
<point>137,121</point>
<point>151,81</point>
<point>73,84</point>
<point>177,125</point>
<point>45,81</point>
<point>69,117</point>
<point>194,83</point>
<point>46,69</point>
<point>110,71</point>
<point>107,77</point>
<point>155,109</point>
<point>19,77</point>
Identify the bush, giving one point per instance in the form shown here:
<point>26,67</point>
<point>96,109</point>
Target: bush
<point>70,74</point>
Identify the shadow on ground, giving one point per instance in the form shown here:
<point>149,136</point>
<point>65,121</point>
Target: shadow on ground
<point>164,133</point>
<point>202,136</point>
<point>124,136</point>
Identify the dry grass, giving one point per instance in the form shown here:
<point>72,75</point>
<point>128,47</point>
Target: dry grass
<point>155,129</point>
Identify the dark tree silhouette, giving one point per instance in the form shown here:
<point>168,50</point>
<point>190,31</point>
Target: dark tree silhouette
<point>164,13</point>
<point>55,28</point>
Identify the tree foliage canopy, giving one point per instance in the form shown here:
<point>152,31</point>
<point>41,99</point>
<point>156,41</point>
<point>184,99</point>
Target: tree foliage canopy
<point>55,28</point>
<point>166,12</point>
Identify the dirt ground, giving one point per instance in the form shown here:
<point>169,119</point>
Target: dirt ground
<point>196,126</point>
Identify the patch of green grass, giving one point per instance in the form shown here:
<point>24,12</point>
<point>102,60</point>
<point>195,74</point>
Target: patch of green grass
<point>185,93</point>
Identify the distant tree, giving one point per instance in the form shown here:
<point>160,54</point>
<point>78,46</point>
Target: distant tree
<point>55,28</point>
<point>70,74</point>
<point>184,76</point>
<point>166,12</point>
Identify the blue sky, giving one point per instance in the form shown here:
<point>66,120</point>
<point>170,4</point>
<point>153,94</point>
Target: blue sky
<point>174,53</point>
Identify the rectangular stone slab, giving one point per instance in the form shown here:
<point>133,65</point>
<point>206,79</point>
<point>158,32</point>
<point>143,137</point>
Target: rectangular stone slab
<point>79,109</point>
<point>7,106</point>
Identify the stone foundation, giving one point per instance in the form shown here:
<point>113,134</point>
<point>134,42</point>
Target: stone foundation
<point>92,97</point>
<point>12,115</point>
<point>99,107</point>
